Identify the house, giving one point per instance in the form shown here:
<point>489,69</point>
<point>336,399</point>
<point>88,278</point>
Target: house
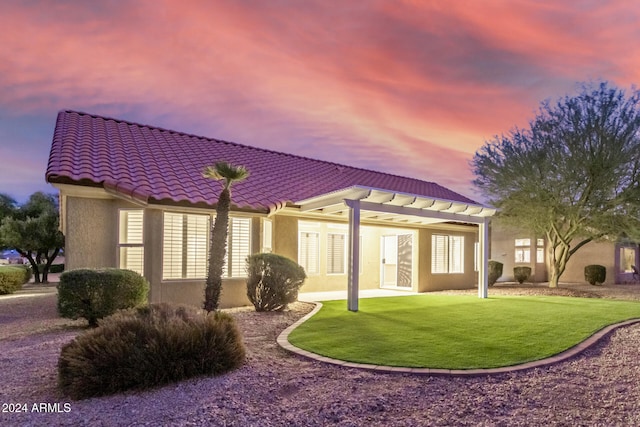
<point>133,196</point>
<point>517,248</point>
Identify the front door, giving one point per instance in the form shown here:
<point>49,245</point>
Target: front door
<point>396,251</point>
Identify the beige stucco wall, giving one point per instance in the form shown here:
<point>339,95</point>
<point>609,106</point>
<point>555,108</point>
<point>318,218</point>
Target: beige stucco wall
<point>503,250</point>
<point>90,240</point>
<point>602,253</point>
<point>437,282</point>
<point>91,233</point>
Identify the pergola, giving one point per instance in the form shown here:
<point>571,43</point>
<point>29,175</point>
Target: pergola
<point>360,202</point>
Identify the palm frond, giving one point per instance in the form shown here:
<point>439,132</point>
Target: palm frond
<point>227,171</point>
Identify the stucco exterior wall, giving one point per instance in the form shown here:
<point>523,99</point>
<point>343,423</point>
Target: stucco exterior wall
<point>92,242</point>
<point>503,250</point>
<point>91,233</point>
<point>602,253</point>
<point>443,281</point>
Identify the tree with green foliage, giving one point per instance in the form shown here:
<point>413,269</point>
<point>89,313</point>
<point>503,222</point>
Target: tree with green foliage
<point>32,230</point>
<point>229,174</point>
<point>8,207</point>
<point>572,176</point>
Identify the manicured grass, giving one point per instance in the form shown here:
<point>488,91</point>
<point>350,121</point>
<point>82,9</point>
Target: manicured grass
<point>456,332</point>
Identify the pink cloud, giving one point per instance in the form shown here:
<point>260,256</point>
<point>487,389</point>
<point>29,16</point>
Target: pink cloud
<point>407,87</point>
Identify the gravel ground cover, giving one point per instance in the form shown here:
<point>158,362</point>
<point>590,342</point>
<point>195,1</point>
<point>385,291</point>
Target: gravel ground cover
<point>600,387</point>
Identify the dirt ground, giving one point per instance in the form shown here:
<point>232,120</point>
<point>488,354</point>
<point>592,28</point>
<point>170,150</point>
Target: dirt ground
<point>599,387</point>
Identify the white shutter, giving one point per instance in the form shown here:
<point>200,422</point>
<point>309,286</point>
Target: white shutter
<point>308,252</point>
<point>240,245</point>
<point>172,246</point>
<point>131,240</point>
<point>197,246</point>
<point>439,254</point>
<point>335,253</point>
<point>456,254</point>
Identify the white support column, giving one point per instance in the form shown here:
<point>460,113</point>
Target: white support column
<point>483,271</point>
<point>354,254</point>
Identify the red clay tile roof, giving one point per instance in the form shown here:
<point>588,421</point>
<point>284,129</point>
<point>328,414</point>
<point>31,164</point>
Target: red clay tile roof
<point>163,166</point>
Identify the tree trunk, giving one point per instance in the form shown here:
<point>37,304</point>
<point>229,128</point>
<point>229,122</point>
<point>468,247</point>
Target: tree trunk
<point>217,252</point>
<point>47,265</point>
<point>560,254</point>
<point>34,265</point>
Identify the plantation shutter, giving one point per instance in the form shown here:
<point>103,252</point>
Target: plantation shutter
<point>239,245</point>
<point>197,250</point>
<point>172,246</point>
<point>335,253</point>
<point>308,252</point>
<point>439,254</point>
<point>456,254</point>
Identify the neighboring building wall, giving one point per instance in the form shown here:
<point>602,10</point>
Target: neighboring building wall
<point>503,250</point>
<point>602,253</point>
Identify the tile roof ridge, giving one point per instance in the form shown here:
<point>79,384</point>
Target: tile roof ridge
<point>327,162</point>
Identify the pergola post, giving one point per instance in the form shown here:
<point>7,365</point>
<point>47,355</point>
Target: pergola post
<point>483,270</point>
<point>354,254</point>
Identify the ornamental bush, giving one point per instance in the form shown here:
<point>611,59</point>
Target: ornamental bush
<point>273,281</point>
<point>12,278</point>
<point>495,271</point>
<point>595,274</point>
<point>94,294</point>
<point>521,273</point>
<point>146,347</point>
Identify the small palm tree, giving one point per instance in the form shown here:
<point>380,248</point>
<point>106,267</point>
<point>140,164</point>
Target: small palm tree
<point>230,174</point>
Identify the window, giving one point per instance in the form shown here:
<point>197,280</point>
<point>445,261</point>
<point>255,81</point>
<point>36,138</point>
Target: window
<point>308,250</point>
<point>336,253</point>
<point>238,246</point>
<point>627,259</point>
<point>185,246</point>
<point>447,254</point>
<point>131,240</point>
<point>540,251</point>
<point>267,236</point>
<point>523,250</point>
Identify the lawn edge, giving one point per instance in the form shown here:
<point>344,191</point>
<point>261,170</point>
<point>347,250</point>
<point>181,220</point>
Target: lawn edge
<point>283,341</point>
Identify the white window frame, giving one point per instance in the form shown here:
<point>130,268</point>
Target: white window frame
<point>330,253</point>
<point>194,240</point>
<point>449,249</point>
<point>304,251</point>
<point>237,251</point>
<point>522,251</point>
<point>124,240</point>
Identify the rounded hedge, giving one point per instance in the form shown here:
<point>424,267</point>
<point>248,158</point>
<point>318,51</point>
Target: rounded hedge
<point>12,278</point>
<point>595,274</point>
<point>273,281</point>
<point>146,347</point>
<point>521,273</point>
<point>94,294</point>
<point>495,271</point>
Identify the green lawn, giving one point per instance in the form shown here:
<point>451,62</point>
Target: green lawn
<point>456,332</point>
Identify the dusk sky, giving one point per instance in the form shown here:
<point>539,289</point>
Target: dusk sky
<point>407,87</point>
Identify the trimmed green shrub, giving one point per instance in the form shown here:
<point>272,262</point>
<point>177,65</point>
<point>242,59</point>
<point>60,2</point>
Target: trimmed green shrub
<point>12,279</point>
<point>595,274</point>
<point>94,294</point>
<point>149,346</point>
<point>273,281</point>
<point>495,271</point>
<point>521,274</point>
<point>26,270</point>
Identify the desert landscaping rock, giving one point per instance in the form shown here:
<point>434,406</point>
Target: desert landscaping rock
<point>600,387</point>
